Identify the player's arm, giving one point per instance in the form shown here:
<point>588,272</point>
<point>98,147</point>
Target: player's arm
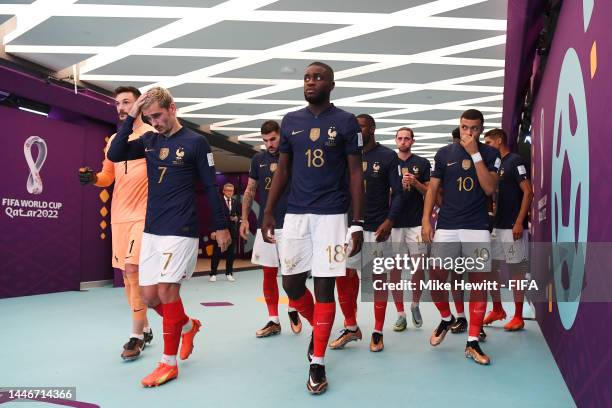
<point>430,199</point>
<point>121,149</point>
<point>104,177</point>
<point>206,170</point>
<point>277,187</point>
<point>247,201</point>
<point>487,177</point>
<point>517,229</point>
<point>356,188</point>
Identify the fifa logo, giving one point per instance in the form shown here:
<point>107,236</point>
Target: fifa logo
<point>34,183</point>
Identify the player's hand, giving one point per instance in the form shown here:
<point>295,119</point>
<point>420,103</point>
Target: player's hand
<point>267,228</point>
<point>469,144</point>
<point>408,180</point>
<point>384,230</point>
<point>357,238</point>
<point>517,231</point>
<point>87,176</point>
<point>137,107</point>
<point>427,232</point>
<point>223,238</point>
<point>244,229</point>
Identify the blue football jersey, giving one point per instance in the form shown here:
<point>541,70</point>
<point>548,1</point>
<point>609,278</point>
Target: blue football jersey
<point>464,202</point>
<point>263,166</point>
<point>173,165</point>
<point>411,211</point>
<point>509,194</point>
<point>319,146</point>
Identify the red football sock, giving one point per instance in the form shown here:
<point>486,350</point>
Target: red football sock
<point>444,309</point>
<point>398,295</point>
<point>159,309</point>
<point>417,278</point>
<point>324,314</point>
<point>305,306</point>
<point>173,321</point>
<point>355,290</point>
<point>347,304</point>
<point>497,307</point>
<point>270,290</point>
<point>380,309</point>
<point>440,297</point>
<point>458,300</point>
<point>477,313</point>
<point>518,309</point>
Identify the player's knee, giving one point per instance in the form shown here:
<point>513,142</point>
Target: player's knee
<point>130,269</point>
<point>168,292</point>
<point>295,288</point>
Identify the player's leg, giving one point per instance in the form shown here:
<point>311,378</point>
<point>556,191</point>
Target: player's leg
<point>230,254</point>
<point>177,263</point>
<point>461,324</point>
<point>478,307</point>
<point>498,312</point>
<point>417,249</point>
<point>141,331</point>
<point>381,298</point>
<point>518,272</point>
<point>265,254</point>
<point>328,234</point>
<point>347,298</point>
<point>445,245</point>
<point>214,262</point>
<point>348,291</point>
<point>395,276</point>
<point>477,242</point>
<point>498,258</point>
<point>295,259</point>
<point>517,258</point>
<point>137,342</point>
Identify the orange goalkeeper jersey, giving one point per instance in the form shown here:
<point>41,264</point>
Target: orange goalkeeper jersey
<point>130,177</point>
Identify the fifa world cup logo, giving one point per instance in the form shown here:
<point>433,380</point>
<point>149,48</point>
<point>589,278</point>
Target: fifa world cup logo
<point>34,183</point>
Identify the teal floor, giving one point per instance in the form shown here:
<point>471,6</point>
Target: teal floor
<point>75,338</point>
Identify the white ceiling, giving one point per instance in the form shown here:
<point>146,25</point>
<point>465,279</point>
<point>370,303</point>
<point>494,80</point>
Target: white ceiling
<point>234,64</point>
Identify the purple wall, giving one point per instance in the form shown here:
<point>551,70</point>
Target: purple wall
<point>570,136</point>
<point>43,254</point>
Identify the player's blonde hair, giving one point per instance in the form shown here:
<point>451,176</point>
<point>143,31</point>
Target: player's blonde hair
<point>160,95</point>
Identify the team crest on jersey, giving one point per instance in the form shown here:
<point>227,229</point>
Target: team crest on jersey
<point>331,133</point>
<point>501,173</point>
<point>273,167</point>
<point>466,164</point>
<point>315,133</point>
<point>415,170</point>
<point>364,166</point>
<point>375,169</point>
<point>163,153</point>
<point>180,152</point>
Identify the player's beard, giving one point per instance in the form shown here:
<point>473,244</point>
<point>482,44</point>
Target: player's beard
<point>317,98</point>
<point>404,149</point>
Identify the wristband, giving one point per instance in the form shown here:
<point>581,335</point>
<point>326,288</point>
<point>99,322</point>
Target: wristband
<point>359,223</point>
<point>349,233</point>
<point>476,157</point>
